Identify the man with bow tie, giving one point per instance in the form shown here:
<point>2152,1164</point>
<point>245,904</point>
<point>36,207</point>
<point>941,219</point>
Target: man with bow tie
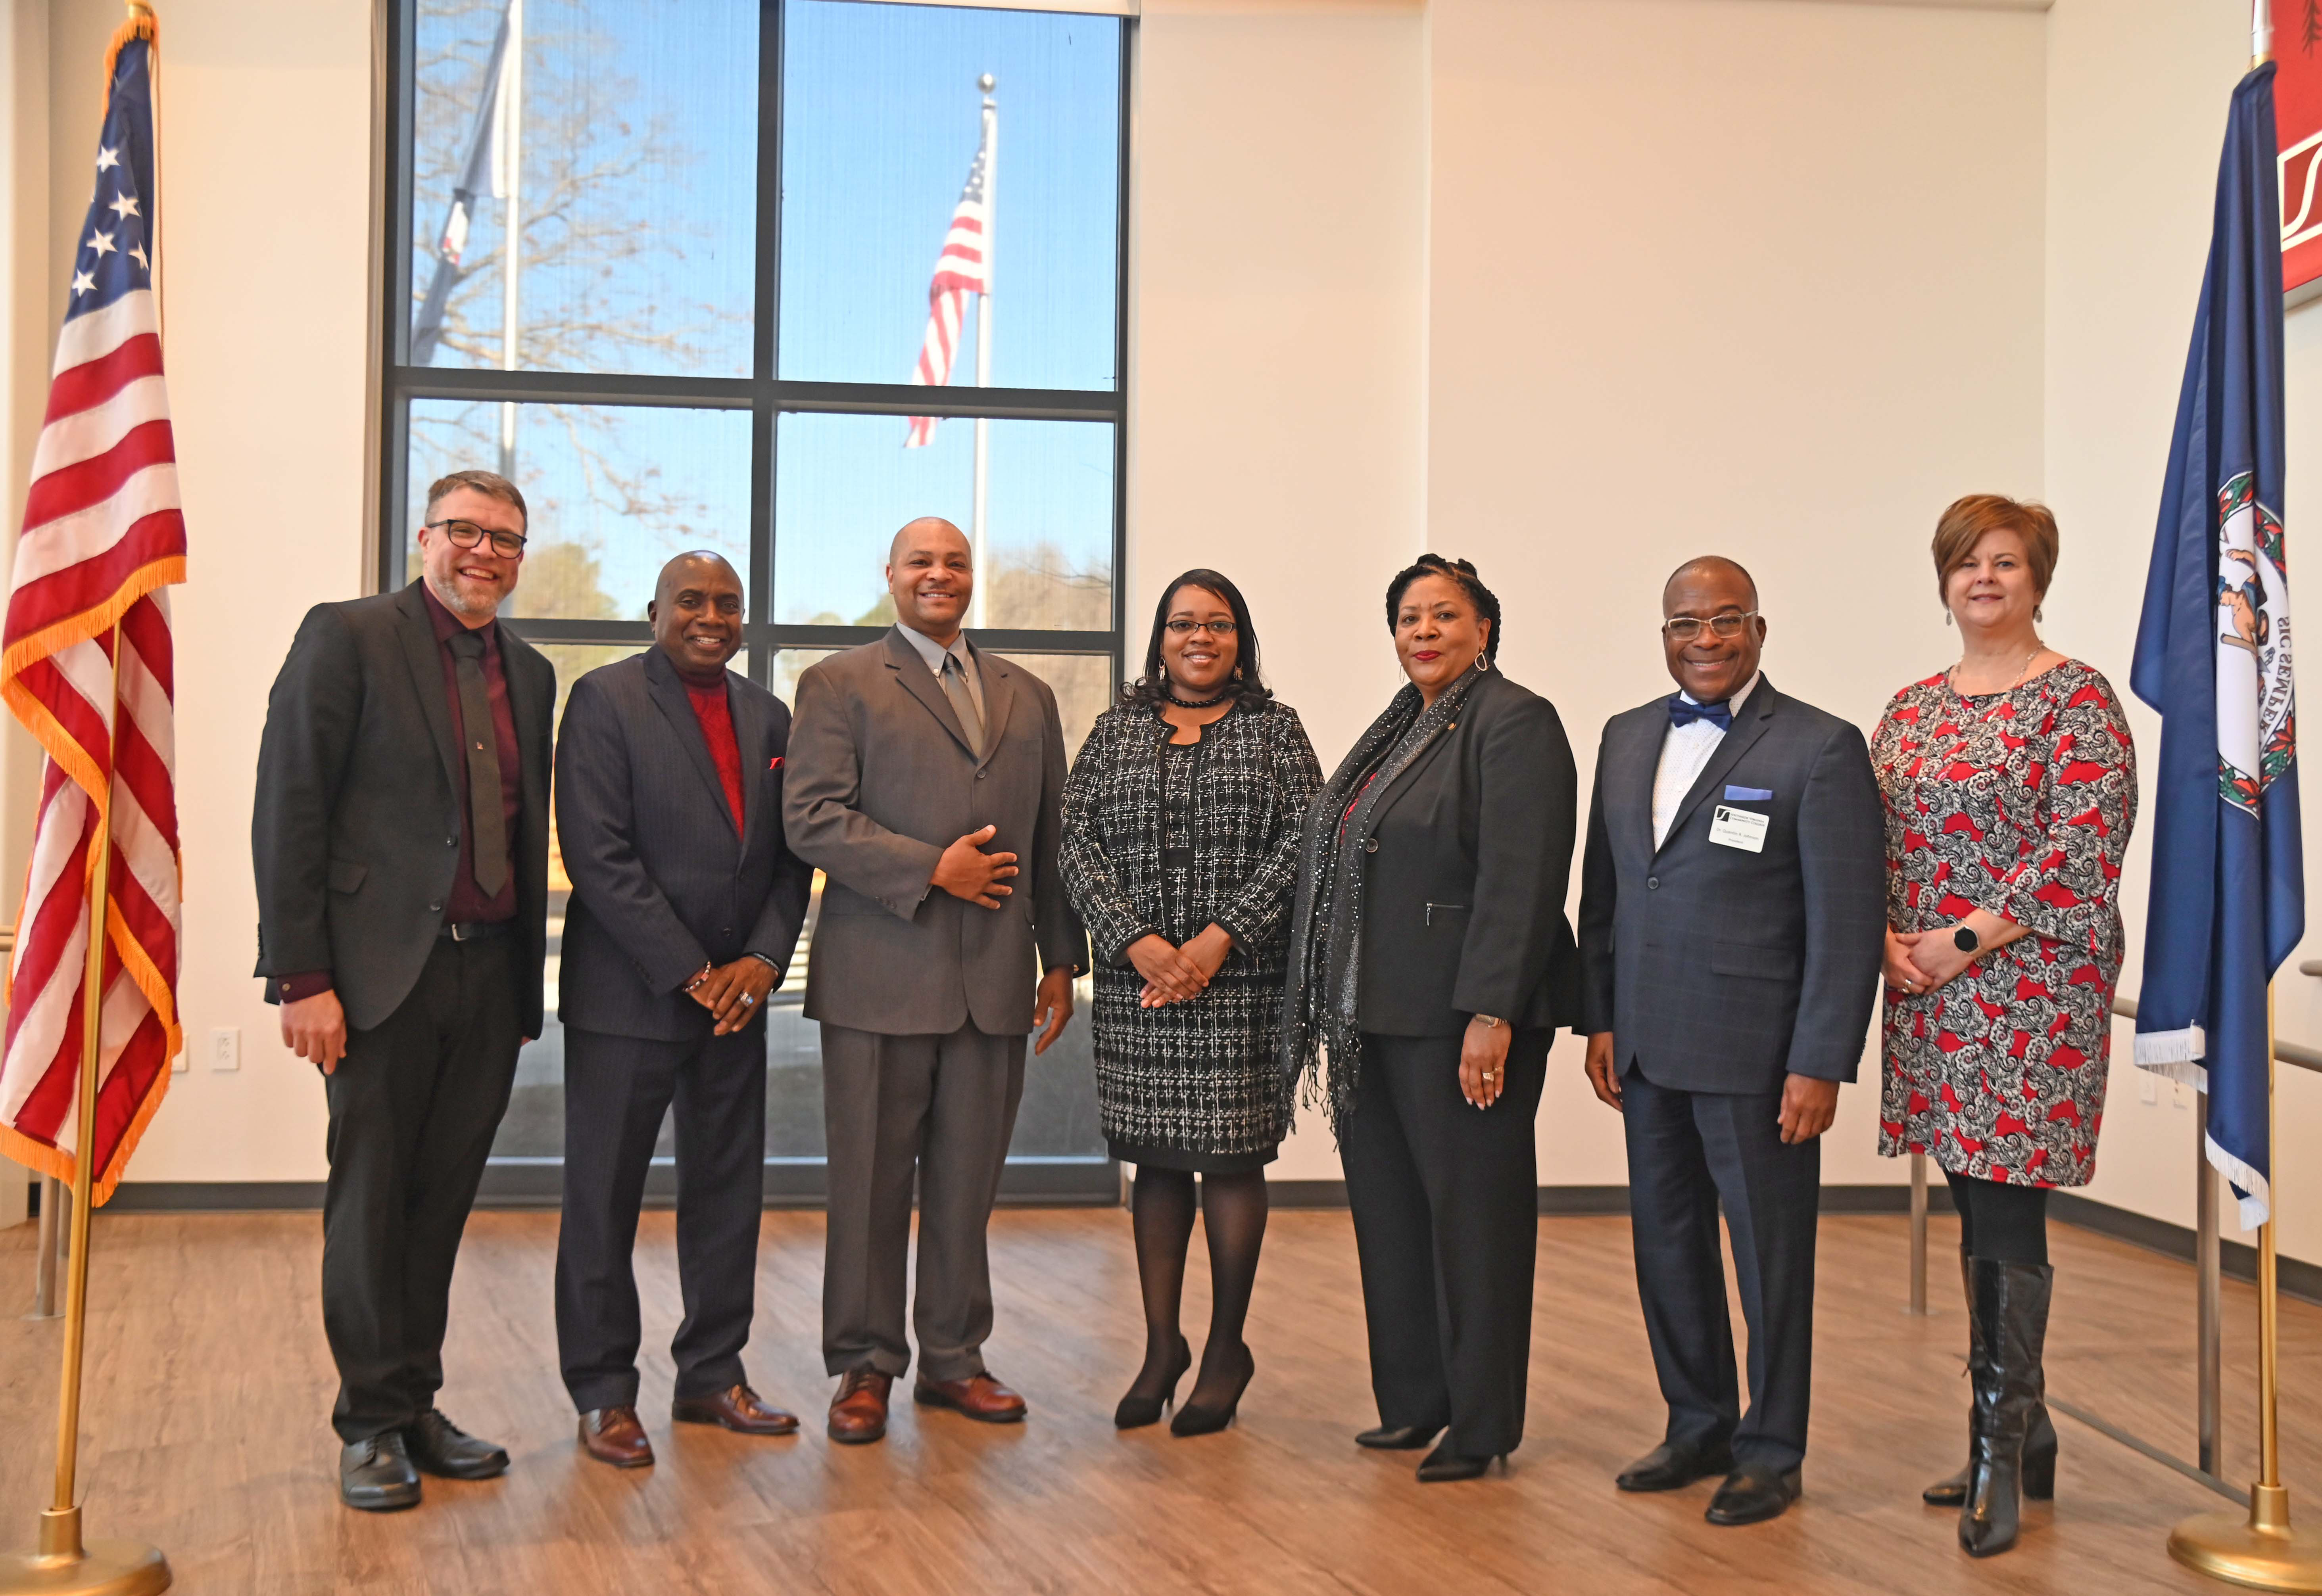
<point>1732,911</point>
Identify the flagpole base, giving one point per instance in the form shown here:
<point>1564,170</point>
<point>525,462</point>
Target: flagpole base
<point>2259,1548</point>
<point>63,1567</point>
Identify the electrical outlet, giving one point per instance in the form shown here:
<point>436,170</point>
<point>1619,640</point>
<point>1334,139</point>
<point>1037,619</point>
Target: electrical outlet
<point>2181,1094</point>
<point>2148,1086</point>
<point>181,1064</point>
<point>225,1048</point>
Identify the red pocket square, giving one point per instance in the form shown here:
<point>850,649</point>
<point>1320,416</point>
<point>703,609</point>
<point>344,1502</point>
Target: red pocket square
<point>774,763</point>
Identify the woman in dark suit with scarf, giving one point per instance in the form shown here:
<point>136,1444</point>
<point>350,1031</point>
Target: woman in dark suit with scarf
<point>1431,960</point>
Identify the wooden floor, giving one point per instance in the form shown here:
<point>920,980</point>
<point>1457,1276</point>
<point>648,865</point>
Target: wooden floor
<point>209,1385</point>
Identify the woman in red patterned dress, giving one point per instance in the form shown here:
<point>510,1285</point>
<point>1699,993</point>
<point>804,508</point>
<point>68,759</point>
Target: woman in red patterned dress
<point>2010,788</point>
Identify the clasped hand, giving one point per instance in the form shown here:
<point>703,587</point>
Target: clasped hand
<point>1922,961</point>
<point>734,993</point>
<point>1178,974</point>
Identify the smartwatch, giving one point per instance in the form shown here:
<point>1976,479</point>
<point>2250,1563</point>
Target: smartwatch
<point>1966,940</point>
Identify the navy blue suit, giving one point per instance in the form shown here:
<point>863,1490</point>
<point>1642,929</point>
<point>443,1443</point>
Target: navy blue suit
<point>664,883</point>
<point>1721,971</point>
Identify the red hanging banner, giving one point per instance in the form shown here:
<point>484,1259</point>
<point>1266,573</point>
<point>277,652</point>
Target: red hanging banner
<point>2298,135</point>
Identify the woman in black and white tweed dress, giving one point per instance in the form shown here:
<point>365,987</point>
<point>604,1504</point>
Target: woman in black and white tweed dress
<point>1181,828</point>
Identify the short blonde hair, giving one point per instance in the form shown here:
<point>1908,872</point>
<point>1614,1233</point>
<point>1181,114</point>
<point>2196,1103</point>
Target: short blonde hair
<point>1961,526</point>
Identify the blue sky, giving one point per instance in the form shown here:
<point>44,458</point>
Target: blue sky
<point>651,268</point>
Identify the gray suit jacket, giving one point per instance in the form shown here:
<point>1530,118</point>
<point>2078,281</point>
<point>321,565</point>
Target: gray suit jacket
<point>879,781</point>
<point>661,882</point>
<point>355,833</point>
<point>1714,968</point>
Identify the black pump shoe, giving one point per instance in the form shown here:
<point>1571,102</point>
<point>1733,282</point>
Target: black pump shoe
<point>376,1474</point>
<point>1671,1467</point>
<point>1443,1466</point>
<point>1136,1411</point>
<point>1196,1419</point>
<point>1399,1437</point>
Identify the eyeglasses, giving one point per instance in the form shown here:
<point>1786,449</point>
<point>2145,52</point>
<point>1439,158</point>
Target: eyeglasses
<point>1686,628</point>
<point>1184,628</point>
<point>467,535</point>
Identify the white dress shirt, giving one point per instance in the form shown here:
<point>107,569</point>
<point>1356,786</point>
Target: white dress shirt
<point>934,654</point>
<point>1684,750</point>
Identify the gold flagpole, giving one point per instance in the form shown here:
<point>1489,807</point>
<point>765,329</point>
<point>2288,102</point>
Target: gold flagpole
<point>2260,1548</point>
<point>64,1562</point>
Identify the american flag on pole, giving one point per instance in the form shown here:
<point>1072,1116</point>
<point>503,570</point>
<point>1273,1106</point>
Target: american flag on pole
<point>959,272</point>
<point>102,537</point>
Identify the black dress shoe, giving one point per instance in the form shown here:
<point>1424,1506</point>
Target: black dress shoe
<point>376,1474</point>
<point>438,1446</point>
<point>1753,1493</point>
<point>1399,1437</point>
<point>1444,1464</point>
<point>1671,1467</point>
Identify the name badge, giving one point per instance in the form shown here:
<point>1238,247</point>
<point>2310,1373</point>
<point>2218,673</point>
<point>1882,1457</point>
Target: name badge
<point>1730,827</point>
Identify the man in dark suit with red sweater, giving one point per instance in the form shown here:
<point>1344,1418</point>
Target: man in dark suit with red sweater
<point>401,843</point>
<point>686,906</point>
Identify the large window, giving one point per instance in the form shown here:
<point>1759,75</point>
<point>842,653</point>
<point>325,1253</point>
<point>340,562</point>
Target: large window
<point>771,277</point>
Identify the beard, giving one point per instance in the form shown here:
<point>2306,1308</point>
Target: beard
<point>467,606</point>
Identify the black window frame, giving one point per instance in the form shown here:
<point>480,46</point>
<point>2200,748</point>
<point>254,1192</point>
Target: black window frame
<point>534,1181</point>
<point>763,393</point>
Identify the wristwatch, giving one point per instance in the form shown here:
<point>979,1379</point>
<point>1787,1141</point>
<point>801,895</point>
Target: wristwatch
<point>1490,1021</point>
<point>1966,940</point>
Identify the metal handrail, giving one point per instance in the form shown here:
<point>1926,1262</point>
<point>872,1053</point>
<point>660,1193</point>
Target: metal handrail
<point>2289,1053</point>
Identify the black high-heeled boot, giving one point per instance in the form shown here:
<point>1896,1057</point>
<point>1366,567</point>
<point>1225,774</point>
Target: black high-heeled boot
<point>2039,1435</point>
<point>2012,1301</point>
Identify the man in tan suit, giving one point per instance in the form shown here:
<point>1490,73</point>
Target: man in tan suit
<point>925,779</point>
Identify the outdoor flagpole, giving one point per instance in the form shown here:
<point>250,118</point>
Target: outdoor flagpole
<point>984,332</point>
<point>511,150</point>
<point>64,1562</point>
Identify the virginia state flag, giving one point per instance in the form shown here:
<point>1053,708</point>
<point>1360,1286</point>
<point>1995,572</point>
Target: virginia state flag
<point>2213,656</point>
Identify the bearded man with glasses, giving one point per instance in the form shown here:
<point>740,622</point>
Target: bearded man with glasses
<point>400,840</point>
<point>1732,915</point>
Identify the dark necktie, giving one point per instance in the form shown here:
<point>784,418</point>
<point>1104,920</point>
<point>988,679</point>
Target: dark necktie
<point>963,702</point>
<point>487,820</point>
<point>1683,711</point>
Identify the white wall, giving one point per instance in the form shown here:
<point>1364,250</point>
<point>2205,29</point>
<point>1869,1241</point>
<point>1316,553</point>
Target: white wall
<point>24,239</point>
<point>1278,238</point>
<point>1758,279</point>
<point>265,244</point>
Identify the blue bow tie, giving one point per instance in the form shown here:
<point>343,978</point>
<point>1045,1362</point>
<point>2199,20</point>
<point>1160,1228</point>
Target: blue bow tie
<point>1683,711</point>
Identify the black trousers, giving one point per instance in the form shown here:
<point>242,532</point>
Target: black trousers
<point>414,1105</point>
<point>616,1090</point>
<point>1688,1150</point>
<point>1446,1206</point>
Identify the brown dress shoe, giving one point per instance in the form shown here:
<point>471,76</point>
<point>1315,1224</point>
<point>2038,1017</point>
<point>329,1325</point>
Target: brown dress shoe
<point>979,1396</point>
<point>736,1408</point>
<point>858,1413</point>
<point>614,1436</point>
